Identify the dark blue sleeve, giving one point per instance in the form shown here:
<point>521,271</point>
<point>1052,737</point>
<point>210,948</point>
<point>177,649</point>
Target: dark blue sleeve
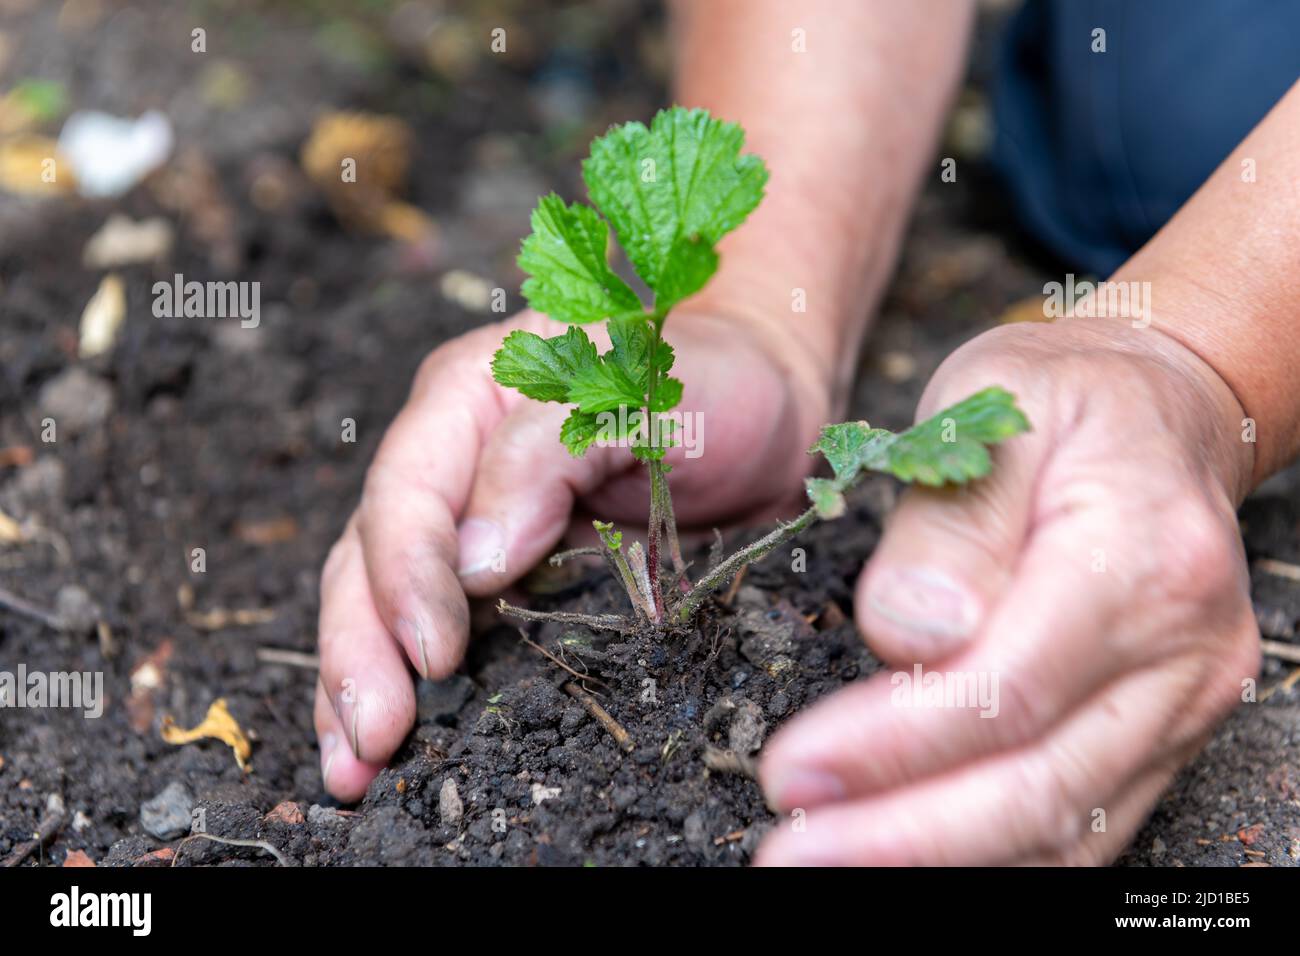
<point>1100,149</point>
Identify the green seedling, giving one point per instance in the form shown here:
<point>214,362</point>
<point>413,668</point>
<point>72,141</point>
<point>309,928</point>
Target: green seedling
<point>668,193</point>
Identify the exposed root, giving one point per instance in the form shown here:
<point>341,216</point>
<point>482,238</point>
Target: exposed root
<point>598,622</point>
<point>229,841</point>
<point>559,663</point>
<point>561,557</point>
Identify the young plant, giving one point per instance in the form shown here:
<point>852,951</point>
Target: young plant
<point>669,193</point>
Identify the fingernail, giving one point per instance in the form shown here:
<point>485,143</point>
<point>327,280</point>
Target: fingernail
<point>805,788</point>
<point>412,632</point>
<point>347,705</point>
<point>482,546</point>
<point>328,751</point>
<point>926,602</point>
<point>356,747</point>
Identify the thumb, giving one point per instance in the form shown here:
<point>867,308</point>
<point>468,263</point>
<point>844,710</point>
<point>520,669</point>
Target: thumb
<point>523,495</point>
<point>945,557</point>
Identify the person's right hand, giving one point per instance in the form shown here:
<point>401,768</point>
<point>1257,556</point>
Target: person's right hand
<point>472,477</point>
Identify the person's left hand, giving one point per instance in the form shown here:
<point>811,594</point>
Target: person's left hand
<point>1096,575</point>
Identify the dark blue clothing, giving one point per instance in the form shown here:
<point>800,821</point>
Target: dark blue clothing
<point>1100,149</point>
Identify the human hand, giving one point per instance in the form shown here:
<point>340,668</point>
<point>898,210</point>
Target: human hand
<point>470,489</point>
<point>1097,575</point>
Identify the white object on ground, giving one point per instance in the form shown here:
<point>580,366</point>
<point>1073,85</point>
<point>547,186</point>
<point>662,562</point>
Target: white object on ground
<point>110,154</point>
<point>103,317</point>
<point>122,241</point>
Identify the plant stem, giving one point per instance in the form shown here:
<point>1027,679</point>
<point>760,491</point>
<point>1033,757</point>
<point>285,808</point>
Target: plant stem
<point>748,555</point>
<point>636,561</point>
<point>656,473</point>
<point>614,548</point>
<point>652,539</point>
<point>669,518</point>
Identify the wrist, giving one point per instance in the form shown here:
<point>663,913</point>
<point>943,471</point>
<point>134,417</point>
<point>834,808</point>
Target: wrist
<point>751,335</point>
<point>1212,421</point>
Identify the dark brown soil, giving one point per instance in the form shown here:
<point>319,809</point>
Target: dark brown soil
<point>227,439</point>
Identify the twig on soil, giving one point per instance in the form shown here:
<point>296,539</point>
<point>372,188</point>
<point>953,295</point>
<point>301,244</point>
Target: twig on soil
<point>281,655</point>
<point>559,663</point>
<point>1286,684</point>
<point>616,730</point>
<point>1279,569</point>
<point>50,825</point>
<point>734,587</point>
<point>1281,650</point>
<point>255,844</point>
<point>12,602</point>
<point>728,761</point>
<point>220,618</point>
<point>599,622</point>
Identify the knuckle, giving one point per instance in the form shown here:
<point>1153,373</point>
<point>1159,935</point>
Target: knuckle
<point>1196,554</point>
<point>1047,805</point>
<point>1023,710</point>
<point>1231,669</point>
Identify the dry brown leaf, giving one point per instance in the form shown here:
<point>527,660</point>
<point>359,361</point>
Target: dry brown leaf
<point>103,317</point>
<point>287,812</point>
<point>23,167</point>
<point>219,725</point>
<point>11,532</point>
<point>1248,835</point>
<point>16,456</point>
<point>77,858</point>
<point>360,161</point>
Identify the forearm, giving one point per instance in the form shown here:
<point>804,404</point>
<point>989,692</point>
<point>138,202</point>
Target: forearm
<point>1224,276</point>
<point>846,128</point>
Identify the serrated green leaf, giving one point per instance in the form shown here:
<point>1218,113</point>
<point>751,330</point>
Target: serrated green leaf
<point>951,446</point>
<point>543,369</point>
<point>667,394</point>
<point>603,387</point>
<point>851,446</point>
<point>826,497</point>
<point>630,337</point>
<point>671,192</point>
<point>570,278</point>
<point>579,430</point>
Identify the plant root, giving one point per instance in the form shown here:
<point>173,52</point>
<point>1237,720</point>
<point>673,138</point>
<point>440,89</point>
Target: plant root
<point>562,557</point>
<point>559,663</point>
<point>598,622</point>
<point>229,841</point>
